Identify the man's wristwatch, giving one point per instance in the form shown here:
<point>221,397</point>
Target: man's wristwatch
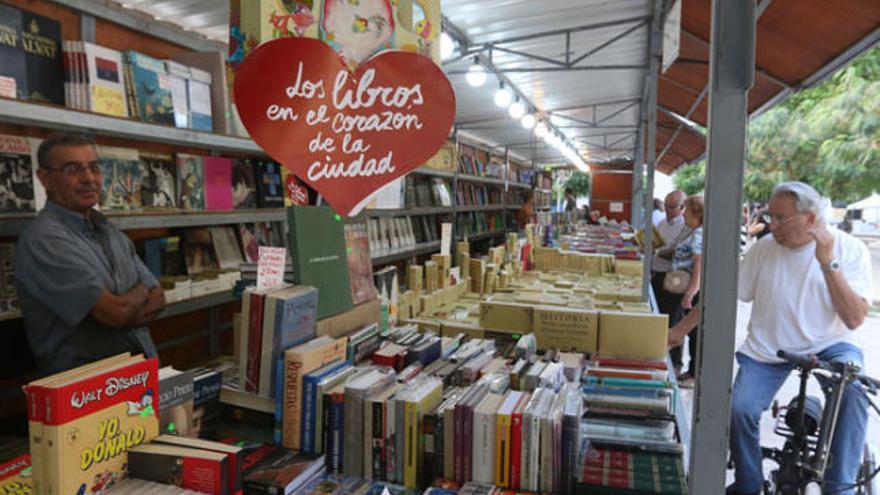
<point>831,266</point>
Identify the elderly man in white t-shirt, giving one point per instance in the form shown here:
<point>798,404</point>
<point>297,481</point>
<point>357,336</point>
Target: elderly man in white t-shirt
<point>809,286</point>
<point>673,231</point>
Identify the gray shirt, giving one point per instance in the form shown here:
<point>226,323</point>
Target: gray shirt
<point>62,262</point>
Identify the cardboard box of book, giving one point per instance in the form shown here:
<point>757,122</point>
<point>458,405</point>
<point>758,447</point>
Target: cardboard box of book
<point>633,335</point>
<point>506,316</point>
<point>566,328</point>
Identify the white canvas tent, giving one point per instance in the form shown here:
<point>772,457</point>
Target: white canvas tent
<point>866,215</point>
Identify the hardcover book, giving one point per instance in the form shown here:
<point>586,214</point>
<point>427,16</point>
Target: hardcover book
<point>178,76</point>
<point>41,41</point>
<point>194,469</point>
<point>190,182</point>
<point>15,476</point>
<point>206,402</point>
<point>13,68</point>
<point>159,185</point>
<point>218,183</point>
<point>244,187</point>
<point>176,401</point>
<point>289,318</point>
<point>234,456</point>
<point>198,91</point>
<point>122,174</point>
<point>317,243</point>
<point>151,87</point>
<point>360,265</point>
<point>106,81</point>
<point>16,173</point>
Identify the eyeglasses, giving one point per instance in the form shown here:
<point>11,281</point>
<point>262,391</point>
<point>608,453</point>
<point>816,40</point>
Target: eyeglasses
<point>778,219</point>
<point>74,169</point>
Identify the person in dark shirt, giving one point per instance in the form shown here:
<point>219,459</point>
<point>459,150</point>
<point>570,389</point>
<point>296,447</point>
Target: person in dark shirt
<point>84,293</point>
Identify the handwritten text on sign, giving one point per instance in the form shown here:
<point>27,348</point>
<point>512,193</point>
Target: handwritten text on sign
<point>344,133</point>
<point>270,267</point>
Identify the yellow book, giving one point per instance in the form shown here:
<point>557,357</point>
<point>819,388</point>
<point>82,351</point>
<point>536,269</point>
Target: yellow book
<point>503,435</point>
<point>425,396</point>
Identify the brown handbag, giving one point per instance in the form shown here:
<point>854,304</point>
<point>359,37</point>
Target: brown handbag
<point>676,281</point>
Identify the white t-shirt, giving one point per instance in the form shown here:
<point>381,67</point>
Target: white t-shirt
<point>672,236</point>
<point>657,217</point>
<point>791,305</point>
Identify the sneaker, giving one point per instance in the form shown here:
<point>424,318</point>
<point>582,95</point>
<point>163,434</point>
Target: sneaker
<point>685,380</point>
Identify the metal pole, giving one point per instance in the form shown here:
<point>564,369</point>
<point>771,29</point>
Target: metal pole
<point>731,69</point>
<point>654,54</point>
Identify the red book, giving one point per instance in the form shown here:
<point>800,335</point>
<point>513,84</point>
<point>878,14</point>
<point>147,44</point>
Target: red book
<point>630,363</point>
<point>193,469</point>
<point>234,456</point>
<point>516,443</point>
<point>15,476</point>
<point>255,342</point>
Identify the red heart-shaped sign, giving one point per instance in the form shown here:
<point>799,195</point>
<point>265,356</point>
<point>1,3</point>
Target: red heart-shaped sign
<point>344,133</point>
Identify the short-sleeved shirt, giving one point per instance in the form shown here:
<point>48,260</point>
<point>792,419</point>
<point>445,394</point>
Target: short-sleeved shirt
<point>62,263</point>
<point>683,259</point>
<point>672,233</point>
<point>791,306</point>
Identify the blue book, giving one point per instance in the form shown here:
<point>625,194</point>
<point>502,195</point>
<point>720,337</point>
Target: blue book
<point>310,398</point>
<point>335,432</point>
<point>152,88</point>
<point>289,318</point>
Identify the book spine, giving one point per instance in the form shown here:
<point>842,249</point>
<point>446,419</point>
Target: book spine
<point>378,441</point>
<point>390,440</point>
<point>411,425</point>
<point>307,423</point>
<point>352,464</point>
<point>367,469</point>
<point>400,448</point>
<point>255,334</point>
<point>516,436</point>
<point>467,448</point>
<point>458,421</point>
<point>290,427</point>
<point>449,444</point>
<point>338,431</point>
<point>326,422</point>
<point>502,450</point>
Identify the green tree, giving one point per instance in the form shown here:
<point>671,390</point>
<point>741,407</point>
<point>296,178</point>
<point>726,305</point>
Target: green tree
<point>691,178</point>
<point>579,182</point>
<point>828,136</point>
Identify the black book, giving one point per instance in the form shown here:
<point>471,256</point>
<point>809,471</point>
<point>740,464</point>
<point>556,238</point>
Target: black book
<point>41,41</point>
<point>270,187</point>
<point>271,469</point>
<point>244,186</point>
<point>12,59</point>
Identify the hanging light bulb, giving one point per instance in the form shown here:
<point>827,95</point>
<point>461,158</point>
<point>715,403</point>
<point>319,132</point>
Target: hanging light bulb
<point>447,45</point>
<point>528,121</point>
<point>541,130</point>
<point>503,97</point>
<point>476,76</point>
<point>516,109</point>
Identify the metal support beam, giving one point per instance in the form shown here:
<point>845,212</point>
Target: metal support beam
<point>654,53</point>
<point>519,70</point>
<point>617,112</point>
<point>607,43</point>
<point>529,56</point>
<point>731,76</point>
<point>592,105</point>
<point>562,32</point>
<point>690,112</point>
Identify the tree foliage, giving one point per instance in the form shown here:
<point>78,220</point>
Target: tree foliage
<point>827,136</point>
<point>579,183</point>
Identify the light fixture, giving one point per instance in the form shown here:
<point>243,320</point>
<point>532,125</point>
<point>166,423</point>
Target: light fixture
<point>447,45</point>
<point>528,121</point>
<point>516,109</point>
<point>476,75</point>
<point>503,97</point>
<point>541,130</point>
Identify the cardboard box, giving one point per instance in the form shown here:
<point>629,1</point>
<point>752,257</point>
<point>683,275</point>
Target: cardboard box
<point>633,335</point>
<point>566,328</point>
<point>506,316</point>
<point>478,275</point>
<point>414,278</point>
<point>464,264</point>
<point>345,323</point>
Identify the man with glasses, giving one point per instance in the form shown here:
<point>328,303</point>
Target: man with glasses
<point>809,286</point>
<point>83,291</point>
<point>673,230</point>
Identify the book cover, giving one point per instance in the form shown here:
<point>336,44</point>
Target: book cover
<point>248,238</point>
<point>199,251</point>
<point>288,320</point>
<point>92,423</point>
<point>270,187</point>
<point>271,470</point>
<point>41,41</point>
<point>194,469</point>
<point>13,67</point>
<point>106,89</point>
<point>226,247</point>
<point>244,186</point>
<point>295,191</point>
<point>198,92</point>
<point>218,183</point>
<point>159,185</point>
<point>360,264</point>
<point>178,77</point>
<point>190,182</point>
<point>175,401</point>
<point>152,88</point>
<point>213,63</point>
<point>206,403</point>
<point>16,476</point>
<point>123,174</point>
<point>16,173</point>
<point>298,361</point>
<point>310,400</point>
<point>234,456</point>
<point>317,243</point>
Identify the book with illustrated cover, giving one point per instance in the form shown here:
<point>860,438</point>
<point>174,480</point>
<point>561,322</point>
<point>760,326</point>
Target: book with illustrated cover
<point>190,182</point>
<point>159,185</point>
<point>226,247</point>
<point>360,265</point>
<point>16,476</point>
<point>244,186</point>
<point>41,42</point>
<point>199,251</point>
<point>178,77</point>
<point>13,68</point>
<point>84,422</point>
<point>176,401</point>
<point>248,237</point>
<point>268,469</point>
<point>198,92</point>
<point>270,186</point>
<point>206,402</point>
<point>289,317</point>
<point>106,80</point>
<point>233,453</point>
<point>123,174</point>
<point>194,469</point>
<point>151,88</point>
<point>295,191</point>
<point>218,183</point>
<point>16,175</point>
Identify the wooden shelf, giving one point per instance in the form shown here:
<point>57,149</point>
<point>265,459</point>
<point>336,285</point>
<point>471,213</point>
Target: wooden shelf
<point>482,180</point>
<point>418,249</point>
<point>519,185</point>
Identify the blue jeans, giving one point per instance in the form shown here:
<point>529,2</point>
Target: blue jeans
<point>753,390</point>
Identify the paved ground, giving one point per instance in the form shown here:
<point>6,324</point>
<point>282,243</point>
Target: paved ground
<point>868,337</point>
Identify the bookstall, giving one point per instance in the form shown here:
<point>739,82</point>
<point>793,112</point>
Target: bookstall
<point>364,286</point>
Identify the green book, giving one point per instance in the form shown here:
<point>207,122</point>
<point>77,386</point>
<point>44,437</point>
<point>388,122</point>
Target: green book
<point>317,244</point>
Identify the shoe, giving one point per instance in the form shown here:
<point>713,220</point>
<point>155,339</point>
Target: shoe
<point>685,380</point>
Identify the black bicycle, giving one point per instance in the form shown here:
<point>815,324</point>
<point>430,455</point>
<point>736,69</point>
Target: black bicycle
<point>809,426</point>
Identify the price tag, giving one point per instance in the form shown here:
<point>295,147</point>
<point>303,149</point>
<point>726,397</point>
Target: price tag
<point>270,267</point>
<point>445,239</point>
